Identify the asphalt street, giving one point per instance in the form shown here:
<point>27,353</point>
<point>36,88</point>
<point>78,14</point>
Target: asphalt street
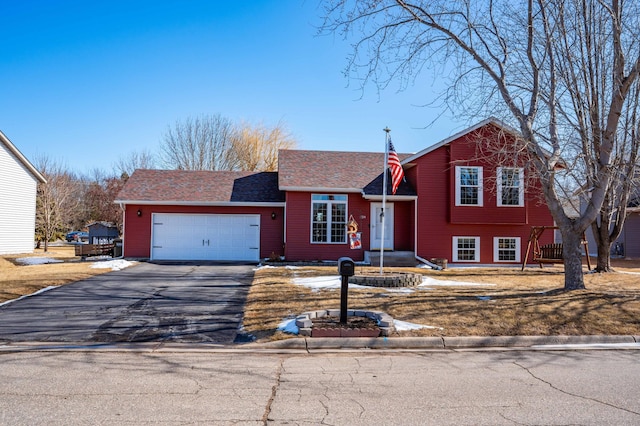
<point>143,303</point>
<point>340,388</point>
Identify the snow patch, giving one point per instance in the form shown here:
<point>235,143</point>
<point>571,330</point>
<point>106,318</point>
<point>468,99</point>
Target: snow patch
<point>334,282</point>
<point>407,326</point>
<point>324,283</point>
<point>264,267</point>
<point>405,290</point>
<point>114,265</point>
<point>37,260</point>
<point>428,281</point>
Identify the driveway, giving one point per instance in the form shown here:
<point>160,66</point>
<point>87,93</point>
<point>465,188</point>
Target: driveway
<point>144,303</point>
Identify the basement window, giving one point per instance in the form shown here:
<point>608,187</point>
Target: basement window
<point>466,249</point>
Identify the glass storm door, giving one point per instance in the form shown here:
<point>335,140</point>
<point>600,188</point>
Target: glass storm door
<point>376,226</point>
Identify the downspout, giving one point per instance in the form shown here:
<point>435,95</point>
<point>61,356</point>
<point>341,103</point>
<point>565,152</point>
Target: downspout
<point>284,229</point>
<point>124,223</point>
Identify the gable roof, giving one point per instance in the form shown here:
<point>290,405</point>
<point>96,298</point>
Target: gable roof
<point>329,171</point>
<point>373,189</point>
<point>491,120</point>
<point>191,187</point>
<point>21,158</point>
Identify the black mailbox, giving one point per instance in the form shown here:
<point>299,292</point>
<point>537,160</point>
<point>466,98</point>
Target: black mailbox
<point>346,267</point>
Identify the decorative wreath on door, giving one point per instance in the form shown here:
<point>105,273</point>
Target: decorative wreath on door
<point>352,225</point>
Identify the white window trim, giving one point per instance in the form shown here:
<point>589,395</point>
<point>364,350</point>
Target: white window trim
<point>496,249</point>
<point>480,186</point>
<point>455,249</point>
<point>328,202</point>
<point>520,186</point>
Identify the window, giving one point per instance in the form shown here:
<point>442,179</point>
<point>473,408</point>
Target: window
<point>466,249</point>
<point>328,218</point>
<point>468,186</point>
<point>506,249</point>
<point>510,186</point>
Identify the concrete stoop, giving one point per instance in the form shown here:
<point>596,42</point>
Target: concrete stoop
<point>391,258</point>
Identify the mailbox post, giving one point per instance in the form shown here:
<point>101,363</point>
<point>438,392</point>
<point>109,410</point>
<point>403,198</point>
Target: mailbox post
<point>346,268</point>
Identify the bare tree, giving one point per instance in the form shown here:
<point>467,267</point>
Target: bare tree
<point>200,143</point>
<point>57,200</point>
<point>256,147</point>
<point>215,143</point>
<point>625,181</point>
<point>127,164</point>
<point>100,194</point>
<point>515,60</point>
<point>600,106</point>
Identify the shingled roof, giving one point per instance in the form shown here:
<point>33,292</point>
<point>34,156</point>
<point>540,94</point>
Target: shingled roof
<point>200,187</point>
<point>345,171</point>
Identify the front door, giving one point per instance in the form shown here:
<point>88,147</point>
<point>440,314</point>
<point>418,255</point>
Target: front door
<point>376,226</point>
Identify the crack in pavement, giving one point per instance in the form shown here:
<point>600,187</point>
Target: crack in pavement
<point>274,391</point>
<point>552,386</point>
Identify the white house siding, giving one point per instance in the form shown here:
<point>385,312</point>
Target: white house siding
<point>17,204</point>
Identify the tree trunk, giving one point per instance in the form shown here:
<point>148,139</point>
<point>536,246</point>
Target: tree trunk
<point>604,256</point>
<point>572,253</point>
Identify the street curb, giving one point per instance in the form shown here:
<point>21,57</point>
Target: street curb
<point>465,342</point>
<point>309,344</point>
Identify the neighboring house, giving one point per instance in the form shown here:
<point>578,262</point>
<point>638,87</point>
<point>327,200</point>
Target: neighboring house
<point>628,243</point>
<point>453,205</point>
<point>102,232</point>
<point>18,185</point>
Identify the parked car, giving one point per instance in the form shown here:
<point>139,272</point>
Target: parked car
<point>77,237</point>
<point>71,236</point>
<point>82,237</point>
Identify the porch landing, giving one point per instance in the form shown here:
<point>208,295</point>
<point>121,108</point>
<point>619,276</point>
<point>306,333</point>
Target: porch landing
<point>391,258</point>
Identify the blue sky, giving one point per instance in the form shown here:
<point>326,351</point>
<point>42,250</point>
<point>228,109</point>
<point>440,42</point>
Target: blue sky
<point>88,82</point>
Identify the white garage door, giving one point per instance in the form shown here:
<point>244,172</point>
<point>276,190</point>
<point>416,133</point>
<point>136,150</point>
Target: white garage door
<point>205,237</point>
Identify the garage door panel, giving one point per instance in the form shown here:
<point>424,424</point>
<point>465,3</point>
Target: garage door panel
<point>205,237</point>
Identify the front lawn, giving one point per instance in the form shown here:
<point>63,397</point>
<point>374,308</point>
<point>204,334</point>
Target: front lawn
<point>20,276</point>
<point>508,301</point>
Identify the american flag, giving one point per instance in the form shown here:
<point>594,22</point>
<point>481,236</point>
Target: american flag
<point>397,174</point>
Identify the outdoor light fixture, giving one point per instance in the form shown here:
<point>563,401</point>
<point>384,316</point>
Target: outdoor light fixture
<point>273,215</point>
<point>139,212</point>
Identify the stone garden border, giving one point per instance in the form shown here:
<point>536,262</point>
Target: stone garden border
<point>304,322</point>
<point>392,279</point>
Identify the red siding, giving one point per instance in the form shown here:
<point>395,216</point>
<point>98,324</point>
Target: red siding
<point>298,244</point>
<point>403,225</point>
<point>439,220</point>
<point>137,230</point>
<point>298,239</point>
<point>463,153</point>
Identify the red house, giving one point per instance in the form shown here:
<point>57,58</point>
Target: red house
<point>463,200</point>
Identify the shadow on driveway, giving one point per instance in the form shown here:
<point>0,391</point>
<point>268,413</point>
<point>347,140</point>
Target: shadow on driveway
<point>149,302</point>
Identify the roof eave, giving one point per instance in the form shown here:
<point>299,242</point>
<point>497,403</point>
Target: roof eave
<point>201,203</point>
<point>15,151</point>
<point>319,189</point>
<point>490,120</point>
<point>376,197</point>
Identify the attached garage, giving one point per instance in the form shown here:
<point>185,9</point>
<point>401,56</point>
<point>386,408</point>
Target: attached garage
<point>202,215</point>
<point>205,237</point>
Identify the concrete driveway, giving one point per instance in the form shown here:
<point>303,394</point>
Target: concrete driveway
<point>144,303</point>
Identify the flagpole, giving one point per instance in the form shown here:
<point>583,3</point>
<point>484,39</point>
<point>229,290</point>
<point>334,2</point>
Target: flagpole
<point>384,195</point>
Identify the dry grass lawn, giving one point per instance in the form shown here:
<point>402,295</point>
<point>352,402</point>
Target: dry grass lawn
<point>511,303</point>
<point>17,280</point>
<point>518,303</point>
